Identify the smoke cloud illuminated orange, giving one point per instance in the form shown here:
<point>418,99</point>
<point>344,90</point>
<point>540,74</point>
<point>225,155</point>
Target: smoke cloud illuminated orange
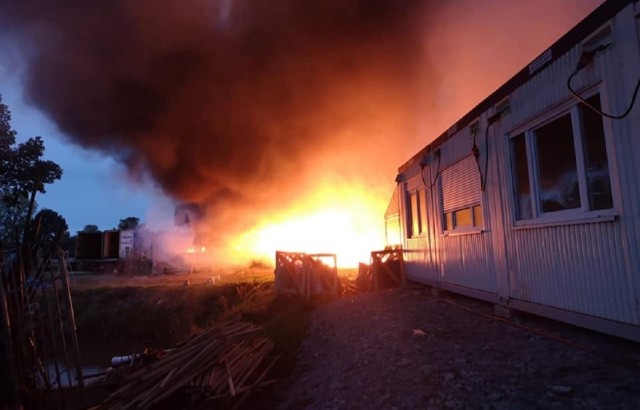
<point>285,120</point>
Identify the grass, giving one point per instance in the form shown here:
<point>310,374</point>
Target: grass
<point>119,315</point>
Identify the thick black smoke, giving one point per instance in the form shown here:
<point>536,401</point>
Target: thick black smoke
<point>243,105</point>
<point>224,102</point>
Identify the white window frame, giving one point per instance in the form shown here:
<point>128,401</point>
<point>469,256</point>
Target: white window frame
<point>421,211</point>
<point>468,229</point>
<point>567,216</point>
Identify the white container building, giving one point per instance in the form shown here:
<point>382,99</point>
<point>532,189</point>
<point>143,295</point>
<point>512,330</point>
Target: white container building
<point>546,217</point>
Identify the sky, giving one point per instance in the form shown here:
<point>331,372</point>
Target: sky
<point>460,69</point>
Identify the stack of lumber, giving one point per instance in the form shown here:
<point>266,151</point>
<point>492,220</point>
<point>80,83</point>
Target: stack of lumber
<point>224,361</point>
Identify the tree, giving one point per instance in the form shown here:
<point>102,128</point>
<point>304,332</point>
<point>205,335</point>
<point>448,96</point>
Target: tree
<point>128,223</point>
<point>49,226</point>
<point>7,136</point>
<point>23,172</point>
<point>90,228</point>
<point>13,218</point>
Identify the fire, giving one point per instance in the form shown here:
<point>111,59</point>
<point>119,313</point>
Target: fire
<point>192,249</point>
<point>340,220</point>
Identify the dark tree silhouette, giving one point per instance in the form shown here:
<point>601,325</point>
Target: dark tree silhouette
<point>90,228</point>
<point>49,226</point>
<point>23,172</point>
<point>130,222</point>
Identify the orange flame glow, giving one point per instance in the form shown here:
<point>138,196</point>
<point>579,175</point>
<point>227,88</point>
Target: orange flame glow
<point>341,220</point>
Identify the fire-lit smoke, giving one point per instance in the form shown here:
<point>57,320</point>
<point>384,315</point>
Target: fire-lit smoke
<point>273,113</point>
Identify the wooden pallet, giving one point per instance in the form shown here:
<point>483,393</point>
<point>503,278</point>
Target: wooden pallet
<point>306,275</point>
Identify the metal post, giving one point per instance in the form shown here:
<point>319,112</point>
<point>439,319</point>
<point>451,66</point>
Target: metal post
<point>9,397</point>
<point>72,318</point>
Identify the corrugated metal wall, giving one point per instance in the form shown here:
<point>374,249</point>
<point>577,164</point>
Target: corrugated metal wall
<point>579,267</point>
<point>622,75</point>
<point>466,261</point>
<point>419,255</point>
<point>587,267</point>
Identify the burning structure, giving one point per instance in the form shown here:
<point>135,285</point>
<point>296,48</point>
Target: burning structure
<point>530,200</point>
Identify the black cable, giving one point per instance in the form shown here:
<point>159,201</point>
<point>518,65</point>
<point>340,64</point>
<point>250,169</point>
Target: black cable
<point>435,179</point>
<point>600,112</point>
<point>483,184</point>
<point>476,154</point>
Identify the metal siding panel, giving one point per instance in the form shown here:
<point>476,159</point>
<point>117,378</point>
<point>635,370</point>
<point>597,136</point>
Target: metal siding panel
<point>621,68</point>
<point>467,262</point>
<point>573,267</point>
<point>417,263</point>
<point>420,262</point>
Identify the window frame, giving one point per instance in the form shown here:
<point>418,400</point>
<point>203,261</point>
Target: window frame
<point>568,216</point>
<point>465,229</point>
<point>421,211</point>
<point>474,228</point>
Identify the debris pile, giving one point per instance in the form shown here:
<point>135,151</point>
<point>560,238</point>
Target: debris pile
<point>225,361</point>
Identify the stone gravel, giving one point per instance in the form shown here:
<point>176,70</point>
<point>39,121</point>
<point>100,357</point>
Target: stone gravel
<point>411,349</point>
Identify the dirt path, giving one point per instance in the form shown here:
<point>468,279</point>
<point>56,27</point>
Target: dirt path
<point>406,349</point>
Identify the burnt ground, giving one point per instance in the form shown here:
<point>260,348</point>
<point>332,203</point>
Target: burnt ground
<point>407,349</point>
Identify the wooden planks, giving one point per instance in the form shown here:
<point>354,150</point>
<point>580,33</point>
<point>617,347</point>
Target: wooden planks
<point>220,362</point>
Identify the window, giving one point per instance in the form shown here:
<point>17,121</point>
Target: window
<point>521,177</point>
<point>416,222</point>
<point>461,197</point>
<point>557,170</point>
<point>560,168</point>
<point>415,213</point>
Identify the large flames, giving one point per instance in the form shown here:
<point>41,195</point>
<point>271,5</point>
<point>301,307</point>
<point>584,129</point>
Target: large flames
<point>344,220</point>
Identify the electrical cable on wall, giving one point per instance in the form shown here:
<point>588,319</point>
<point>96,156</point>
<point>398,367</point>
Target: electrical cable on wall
<point>476,154</point>
<point>435,179</point>
<point>585,59</point>
<point>476,151</point>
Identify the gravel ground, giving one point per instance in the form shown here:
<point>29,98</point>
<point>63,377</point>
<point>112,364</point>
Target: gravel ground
<point>408,349</point>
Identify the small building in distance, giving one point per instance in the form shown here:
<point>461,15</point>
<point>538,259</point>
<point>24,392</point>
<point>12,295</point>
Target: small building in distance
<point>114,250</point>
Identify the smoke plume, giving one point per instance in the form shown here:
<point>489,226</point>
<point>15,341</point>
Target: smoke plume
<point>242,105</point>
<point>223,102</point>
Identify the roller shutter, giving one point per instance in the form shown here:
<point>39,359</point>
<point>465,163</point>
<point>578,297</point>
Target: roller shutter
<point>460,184</point>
